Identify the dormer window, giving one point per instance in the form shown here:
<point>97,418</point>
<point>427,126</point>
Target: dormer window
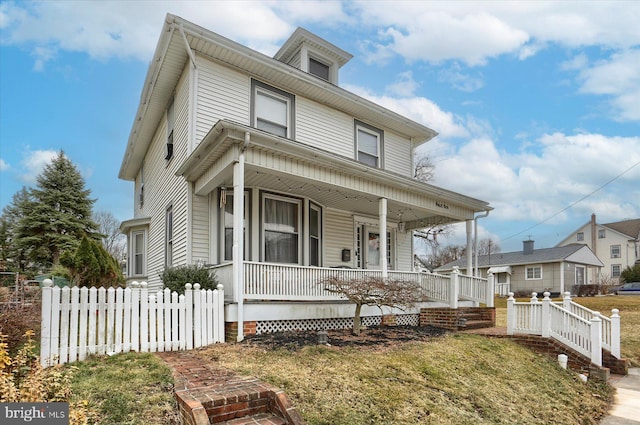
<point>319,69</point>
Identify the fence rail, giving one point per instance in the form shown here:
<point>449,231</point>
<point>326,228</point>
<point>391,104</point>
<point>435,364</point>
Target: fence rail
<point>77,322</point>
<point>581,329</point>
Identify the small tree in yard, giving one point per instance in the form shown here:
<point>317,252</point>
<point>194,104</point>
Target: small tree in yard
<point>401,294</point>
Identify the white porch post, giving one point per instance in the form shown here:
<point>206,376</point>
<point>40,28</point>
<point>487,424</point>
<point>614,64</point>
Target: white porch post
<point>382,205</point>
<point>238,238</point>
<point>596,339</point>
<point>469,248</point>
<point>615,333</point>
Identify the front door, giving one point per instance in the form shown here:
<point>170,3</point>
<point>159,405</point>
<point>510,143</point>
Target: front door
<point>371,249</point>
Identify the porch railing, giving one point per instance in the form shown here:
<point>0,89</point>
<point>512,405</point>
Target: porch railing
<point>286,282</point>
<point>574,325</point>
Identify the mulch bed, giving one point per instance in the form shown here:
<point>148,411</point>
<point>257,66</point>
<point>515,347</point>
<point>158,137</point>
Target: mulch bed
<point>369,337</point>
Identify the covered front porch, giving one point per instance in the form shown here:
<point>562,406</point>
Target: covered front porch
<point>275,297</point>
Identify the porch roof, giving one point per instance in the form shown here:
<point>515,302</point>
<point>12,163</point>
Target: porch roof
<point>333,180</point>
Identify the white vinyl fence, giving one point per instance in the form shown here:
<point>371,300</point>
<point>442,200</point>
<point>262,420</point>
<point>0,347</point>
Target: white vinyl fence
<point>77,322</point>
<point>579,328</point>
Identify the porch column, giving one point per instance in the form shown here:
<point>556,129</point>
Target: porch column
<point>562,277</point>
<point>382,205</point>
<point>469,248</point>
<point>238,239</point>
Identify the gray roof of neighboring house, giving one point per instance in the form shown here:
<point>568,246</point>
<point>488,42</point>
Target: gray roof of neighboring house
<point>630,228</point>
<point>543,255</point>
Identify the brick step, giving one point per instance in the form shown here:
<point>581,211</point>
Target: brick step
<point>239,403</point>
<point>259,419</point>
<point>476,324</point>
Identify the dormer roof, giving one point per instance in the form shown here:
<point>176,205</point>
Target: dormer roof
<point>301,37</point>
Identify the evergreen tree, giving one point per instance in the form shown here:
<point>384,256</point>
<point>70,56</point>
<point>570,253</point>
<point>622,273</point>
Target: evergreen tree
<point>58,215</point>
<point>12,256</point>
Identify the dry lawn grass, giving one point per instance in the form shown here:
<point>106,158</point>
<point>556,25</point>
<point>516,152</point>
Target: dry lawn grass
<point>629,307</point>
<point>455,379</point>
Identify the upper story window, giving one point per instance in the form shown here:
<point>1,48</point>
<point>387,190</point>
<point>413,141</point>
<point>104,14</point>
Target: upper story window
<point>615,251</point>
<point>602,233</point>
<point>319,69</point>
<point>170,125</point>
<point>534,272</point>
<point>369,144</point>
<point>580,236</point>
<point>272,109</point>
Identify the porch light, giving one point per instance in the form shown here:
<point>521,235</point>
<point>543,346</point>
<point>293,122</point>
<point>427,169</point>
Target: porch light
<point>401,227</point>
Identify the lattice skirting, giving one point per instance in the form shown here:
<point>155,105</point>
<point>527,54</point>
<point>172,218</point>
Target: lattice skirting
<point>269,326</point>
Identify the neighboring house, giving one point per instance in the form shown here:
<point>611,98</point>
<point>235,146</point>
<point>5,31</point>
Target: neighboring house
<point>267,170</point>
<point>555,270</point>
<point>616,244</point>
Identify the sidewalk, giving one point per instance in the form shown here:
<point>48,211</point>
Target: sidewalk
<point>626,404</point>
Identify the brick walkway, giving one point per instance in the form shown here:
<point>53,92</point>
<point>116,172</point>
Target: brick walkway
<point>214,395</point>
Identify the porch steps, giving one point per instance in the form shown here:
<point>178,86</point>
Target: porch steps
<point>470,319</point>
<point>220,396</point>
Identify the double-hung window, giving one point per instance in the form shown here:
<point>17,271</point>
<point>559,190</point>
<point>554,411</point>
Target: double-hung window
<point>315,228</point>
<point>319,69</point>
<point>369,144</point>
<point>169,237</point>
<point>616,270</point>
<point>580,236</point>
<point>228,225</point>
<point>534,272</point>
<point>615,251</point>
<point>138,253</point>
<point>273,110</point>
<point>281,227</point>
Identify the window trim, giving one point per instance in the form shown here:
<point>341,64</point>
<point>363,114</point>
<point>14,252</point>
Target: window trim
<point>171,122</point>
<point>614,274</point>
<point>288,98</point>
<point>580,236</point>
<point>612,248</point>
<point>315,207</point>
<point>533,268</point>
<point>602,233</point>
<point>378,133</point>
<point>143,252</point>
<point>263,228</point>
<point>313,58</point>
<point>169,233</point>
<point>247,226</point>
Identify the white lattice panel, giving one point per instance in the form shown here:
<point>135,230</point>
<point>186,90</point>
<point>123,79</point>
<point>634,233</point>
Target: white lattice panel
<point>312,324</point>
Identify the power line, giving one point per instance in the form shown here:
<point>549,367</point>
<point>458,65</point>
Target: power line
<point>576,202</point>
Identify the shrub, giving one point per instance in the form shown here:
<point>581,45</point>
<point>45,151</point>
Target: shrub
<point>589,290</point>
<point>175,278</point>
<point>16,320</point>
<point>631,274</point>
<point>22,379</point>
<point>92,265</point>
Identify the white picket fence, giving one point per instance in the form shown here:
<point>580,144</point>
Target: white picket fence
<point>77,322</point>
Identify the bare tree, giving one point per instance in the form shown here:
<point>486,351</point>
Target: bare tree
<point>488,246</point>
<point>401,294</point>
<point>423,168</point>
<point>112,240</point>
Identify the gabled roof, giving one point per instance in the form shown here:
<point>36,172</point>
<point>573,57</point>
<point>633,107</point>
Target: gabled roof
<point>630,228</point>
<point>575,253</point>
<point>181,39</point>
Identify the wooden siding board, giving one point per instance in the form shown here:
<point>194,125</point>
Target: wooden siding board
<point>338,226</point>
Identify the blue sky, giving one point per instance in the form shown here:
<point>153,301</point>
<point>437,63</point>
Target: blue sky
<point>537,103</point>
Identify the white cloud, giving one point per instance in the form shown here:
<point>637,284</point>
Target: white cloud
<point>619,78</point>
<point>460,80</point>
<point>4,166</point>
<point>405,86</point>
<point>559,171</point>
<point>419,109</point>
<point>33,162</point>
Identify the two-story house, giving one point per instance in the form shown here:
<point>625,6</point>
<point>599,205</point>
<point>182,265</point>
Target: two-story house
<point>270,172</point>
<point>616,244</point>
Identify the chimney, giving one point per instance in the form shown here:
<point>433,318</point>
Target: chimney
<point>527,247</point>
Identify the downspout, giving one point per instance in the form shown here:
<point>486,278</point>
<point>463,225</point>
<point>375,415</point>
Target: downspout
<point>475,239</point>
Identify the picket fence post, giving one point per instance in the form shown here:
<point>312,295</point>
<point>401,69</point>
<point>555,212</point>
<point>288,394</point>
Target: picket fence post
<point>45,323</point>
<point>546,315</point>
<point>596,339</point>
<point>455,288</point>
<point>490,289</point>
<point>511,314</point>
<point>615,333</point>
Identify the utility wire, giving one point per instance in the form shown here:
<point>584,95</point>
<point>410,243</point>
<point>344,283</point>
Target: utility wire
<point>574,203</point>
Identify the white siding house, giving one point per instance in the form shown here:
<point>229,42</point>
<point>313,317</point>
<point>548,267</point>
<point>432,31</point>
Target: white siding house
<point>247,162</point>
<point>616,244</point>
